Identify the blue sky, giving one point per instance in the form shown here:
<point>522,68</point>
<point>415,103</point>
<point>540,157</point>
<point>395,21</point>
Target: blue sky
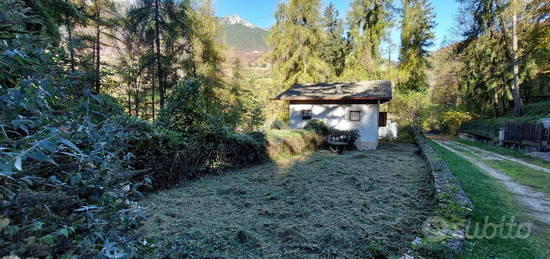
<point>260,13</point>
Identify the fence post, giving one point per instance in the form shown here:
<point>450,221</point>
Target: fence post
<point>540,132</point>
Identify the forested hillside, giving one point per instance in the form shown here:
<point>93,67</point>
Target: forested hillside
<point>474,78</point>
<point>241,38</point>
<point>103,101</point>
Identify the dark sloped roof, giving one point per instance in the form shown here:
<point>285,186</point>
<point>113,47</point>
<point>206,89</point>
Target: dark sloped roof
<point>365,90</point>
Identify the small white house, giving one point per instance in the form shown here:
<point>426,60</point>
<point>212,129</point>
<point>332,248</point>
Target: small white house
<point>343,106</point>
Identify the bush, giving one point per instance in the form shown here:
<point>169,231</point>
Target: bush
<point>279,125</point>
<point>450,121</point>
<point>540,110</point>
<point>406,134</point>
<point>291,142</point>
<point>318,127</point>
<point>188,111</point>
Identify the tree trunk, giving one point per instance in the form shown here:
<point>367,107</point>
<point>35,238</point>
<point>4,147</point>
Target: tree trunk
<point>70,43</point>
<point>136,101</point>
<point>98,55</point>
<point>503,102</point>
<point>495,107</point>
<point>153,91</point>
<point>515,89</point>
<point>129,93</point>
<point>157,41</point>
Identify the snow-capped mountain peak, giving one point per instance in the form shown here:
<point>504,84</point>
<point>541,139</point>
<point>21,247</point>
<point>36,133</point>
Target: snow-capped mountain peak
<point>235,19</point>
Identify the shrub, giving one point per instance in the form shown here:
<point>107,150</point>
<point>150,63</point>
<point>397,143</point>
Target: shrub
<point>189,112</point>
<point>317,126</point>
<point>450,121</point>
<point>291,142</point>
<point>539,109</point>
<point>279,125</point>
<point>406,134</point>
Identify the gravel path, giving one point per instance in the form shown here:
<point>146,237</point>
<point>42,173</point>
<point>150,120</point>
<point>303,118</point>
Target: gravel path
<point>541,155</point>
<point>536,204</point>
<point>489,154</point>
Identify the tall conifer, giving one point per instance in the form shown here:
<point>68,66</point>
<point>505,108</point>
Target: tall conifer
<point>367,21</point>
<point>416,36</point>
<point>296,39</point>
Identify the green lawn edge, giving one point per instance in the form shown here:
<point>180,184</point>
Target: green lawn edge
<point>492,200</point>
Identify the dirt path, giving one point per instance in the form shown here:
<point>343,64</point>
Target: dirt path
<point>541,155</point>
<point>488,155</point>
<point>536,204</point>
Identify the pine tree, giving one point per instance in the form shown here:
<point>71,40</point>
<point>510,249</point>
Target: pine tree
<point>150,20</point>
<point>334,49</point>
<point>207,52</point>
<point>367,21</point>
<point>416,35</point>
<point>296,40</point>
<point>101,13</point>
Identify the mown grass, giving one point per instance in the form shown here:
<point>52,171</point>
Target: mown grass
<point>507,152</point>
<point>322,205</point>
<point>491,200</point>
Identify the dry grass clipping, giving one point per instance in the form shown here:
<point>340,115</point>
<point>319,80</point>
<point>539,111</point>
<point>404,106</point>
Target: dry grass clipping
<point>359,204</point>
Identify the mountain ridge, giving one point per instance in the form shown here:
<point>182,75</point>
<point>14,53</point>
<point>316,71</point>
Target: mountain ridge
<point>245,40</point>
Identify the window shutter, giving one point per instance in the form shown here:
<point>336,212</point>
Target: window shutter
<point>382,119</point>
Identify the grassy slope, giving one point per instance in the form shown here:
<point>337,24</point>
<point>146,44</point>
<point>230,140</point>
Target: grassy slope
<point>507,152</point>
<point>531,113</point>
<point>355,205</point>
<point>492,200</point>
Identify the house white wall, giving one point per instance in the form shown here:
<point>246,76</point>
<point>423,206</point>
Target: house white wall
<point>337,116</point>
<point>390,131</point>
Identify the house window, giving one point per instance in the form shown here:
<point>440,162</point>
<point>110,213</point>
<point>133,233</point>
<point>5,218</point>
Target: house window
<point>355,115</point>
<point>306,115</point>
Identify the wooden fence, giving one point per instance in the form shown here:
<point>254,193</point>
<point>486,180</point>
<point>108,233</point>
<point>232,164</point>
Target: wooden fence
<point>526,134</point>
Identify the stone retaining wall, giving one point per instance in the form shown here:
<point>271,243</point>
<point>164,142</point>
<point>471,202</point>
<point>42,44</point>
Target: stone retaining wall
<point>453,207</point>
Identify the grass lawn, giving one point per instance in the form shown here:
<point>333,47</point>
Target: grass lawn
<point>507,152</point>
<point>540,181</point>
<point>360,204</point>
<point>522,174</point>
<point>493,201</point>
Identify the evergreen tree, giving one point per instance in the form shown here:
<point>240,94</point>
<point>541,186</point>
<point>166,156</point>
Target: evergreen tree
<point>517,29</point>
<point>207,52</point>
<point>150,20</point>
<point>296,40</point>
<point>101,13</point>
<point>367,20</point>
<point>334,49</point>
<point>494,70</point>
<point>416,35</point>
